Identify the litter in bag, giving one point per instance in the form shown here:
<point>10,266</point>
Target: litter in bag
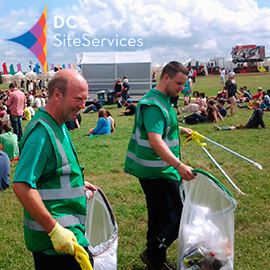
<point>206,234</point>
<point>101,232</point>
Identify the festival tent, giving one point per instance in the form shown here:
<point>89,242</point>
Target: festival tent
<point>101,69</point>
<point>50,74</point>
<point>19,76</point>
<point>192,62</point>
<point>31,75</point>
<point>8,78</point>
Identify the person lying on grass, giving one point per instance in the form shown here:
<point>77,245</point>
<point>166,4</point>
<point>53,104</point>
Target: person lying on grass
<point>254,121</point>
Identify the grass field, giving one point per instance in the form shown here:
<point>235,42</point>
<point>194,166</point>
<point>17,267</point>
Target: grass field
<point>103,159</point>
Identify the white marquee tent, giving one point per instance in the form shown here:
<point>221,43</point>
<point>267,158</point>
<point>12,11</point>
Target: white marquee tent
<point>101,69</point>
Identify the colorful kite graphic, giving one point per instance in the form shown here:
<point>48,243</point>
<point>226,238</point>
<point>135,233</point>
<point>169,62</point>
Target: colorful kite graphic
<point>35,40</point>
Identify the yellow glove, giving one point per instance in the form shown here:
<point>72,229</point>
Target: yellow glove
<point>62,239</point>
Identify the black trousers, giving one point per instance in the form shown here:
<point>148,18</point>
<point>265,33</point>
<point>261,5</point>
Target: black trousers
<point>57,262</point>
<point>164,207</point>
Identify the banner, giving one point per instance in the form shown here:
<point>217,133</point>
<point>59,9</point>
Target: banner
<point>19,68</point>
<point>69,66</point>
<point>74,66</point>
<point>63,66</point>
<point>53,67</point>
<point>11,69</point>
<point>4,65</point>
<point>58,66</point>
<point>37,68</point>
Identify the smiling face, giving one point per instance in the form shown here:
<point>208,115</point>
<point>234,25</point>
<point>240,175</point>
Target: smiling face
<point>174,86</point>
<point>68,91</point>
<point>74,100</point>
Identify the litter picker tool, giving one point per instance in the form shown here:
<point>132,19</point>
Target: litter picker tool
<point>259,166</point>
<point>195,136</point>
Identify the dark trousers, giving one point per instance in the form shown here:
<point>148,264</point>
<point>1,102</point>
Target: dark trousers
<point>16,123</point>
<point>124,96</point>
<point>57,262</point>
<point>164,207</point>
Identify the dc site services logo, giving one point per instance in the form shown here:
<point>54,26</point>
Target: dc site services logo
<point>35,40</point>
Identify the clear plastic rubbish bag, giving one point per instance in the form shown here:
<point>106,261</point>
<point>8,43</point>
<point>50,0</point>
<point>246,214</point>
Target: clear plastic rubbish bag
<point>206,234</point>
<point>101,231</point>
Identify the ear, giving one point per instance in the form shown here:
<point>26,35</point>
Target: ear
<point>57,94</point>
<point>166,78</point>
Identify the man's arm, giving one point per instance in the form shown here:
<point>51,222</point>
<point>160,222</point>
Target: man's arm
<point>166,154</point>
<point>31,201</point>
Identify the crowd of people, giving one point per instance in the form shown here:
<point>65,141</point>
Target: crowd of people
<point>55,203</point>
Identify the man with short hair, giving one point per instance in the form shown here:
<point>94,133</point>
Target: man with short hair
<point>153,156</point>
<point>16,102</point>
<point>48,180</point>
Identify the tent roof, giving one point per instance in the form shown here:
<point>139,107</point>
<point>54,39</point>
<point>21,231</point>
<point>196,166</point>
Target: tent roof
<point>192,60</point>
<point>115,57</point>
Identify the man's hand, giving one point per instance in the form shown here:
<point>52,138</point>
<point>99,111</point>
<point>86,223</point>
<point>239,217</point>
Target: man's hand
<point>62,239</point>
<point>185,172</point>
<point>187,131</point>
<point>89,190</point>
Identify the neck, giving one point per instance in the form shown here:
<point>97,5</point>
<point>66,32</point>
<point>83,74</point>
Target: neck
<point>52,112</point>
<point>161,89</point>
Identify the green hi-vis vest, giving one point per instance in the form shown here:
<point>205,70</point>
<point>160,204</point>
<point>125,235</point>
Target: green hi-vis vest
<point>63,193</point>
<point>142,160</point>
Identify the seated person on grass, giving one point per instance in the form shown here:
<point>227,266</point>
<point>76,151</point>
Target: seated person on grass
<point>254,121</point>
<point>9,141</point>
<point>198,105</point>
<point>95,107</point>
<point>245,95</point>
<point>131,108</point>
<point>103,125</point>
<point>211,114</point>
<point>220,107</point>
<point>4,171</point>
<point>265,104</point>
<point>259,94</point>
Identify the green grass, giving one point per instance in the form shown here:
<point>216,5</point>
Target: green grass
<point>103,159</point>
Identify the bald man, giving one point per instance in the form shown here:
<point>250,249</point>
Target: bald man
<point>49,181</point>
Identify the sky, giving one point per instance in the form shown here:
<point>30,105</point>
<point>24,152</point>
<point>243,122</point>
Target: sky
<point>168,29</point>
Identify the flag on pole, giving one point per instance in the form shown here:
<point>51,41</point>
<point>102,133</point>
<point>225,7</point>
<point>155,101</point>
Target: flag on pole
<point>19,68</point>
<point>58,66</point>
<point>53,67</point>
<point>11,69</point>
<point>4,65</point>
<point>37,68</point>
<point>74,66</point>
<point>69,66</point>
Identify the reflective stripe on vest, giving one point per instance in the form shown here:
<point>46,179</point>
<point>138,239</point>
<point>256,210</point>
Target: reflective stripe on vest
<point>64,221</point>
<point>146,143</point>
<point>147,163</point>
<point>66,191</point>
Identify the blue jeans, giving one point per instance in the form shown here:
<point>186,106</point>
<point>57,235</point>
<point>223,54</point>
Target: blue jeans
<point>16,122</point>
<point>90,108</point>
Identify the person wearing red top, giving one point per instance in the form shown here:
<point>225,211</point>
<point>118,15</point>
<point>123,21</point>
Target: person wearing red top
<point>194,75</point>
<point>16,102</point>
<point>258,94</point>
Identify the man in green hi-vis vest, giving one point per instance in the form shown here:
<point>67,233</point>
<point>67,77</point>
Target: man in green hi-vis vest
<point>48,180</point>
<point>153,156</point>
